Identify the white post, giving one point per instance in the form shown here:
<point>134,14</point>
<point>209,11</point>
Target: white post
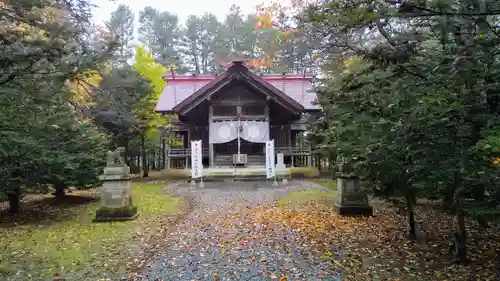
<point>270,163</point>
<point>275,183</point>
<point>196,162</point>
<point>201,182</point>
<point>239,143</point>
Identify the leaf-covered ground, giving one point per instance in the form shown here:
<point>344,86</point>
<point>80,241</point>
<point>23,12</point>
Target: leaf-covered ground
<point>240,232</point>
<point>376,248</point>
<point>223,238</point>
<point>52,238</point>
<point>235,231</point>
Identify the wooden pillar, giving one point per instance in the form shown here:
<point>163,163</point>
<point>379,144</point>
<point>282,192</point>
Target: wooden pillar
<point>174,137</point>
<point>163,151</point>
<point>290,143</point>
<point>188,143</point>
<point>309,157</point>
<point>211,152</point>
<point>168,158</point>
<point>266,114</point>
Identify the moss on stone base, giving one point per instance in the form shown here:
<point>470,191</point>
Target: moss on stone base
<point>116,214</point>
<point>354,211</point>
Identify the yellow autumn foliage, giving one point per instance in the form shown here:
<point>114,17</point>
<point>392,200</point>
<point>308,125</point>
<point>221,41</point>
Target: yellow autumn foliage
<point>495,161</point>
<point>350,65</point>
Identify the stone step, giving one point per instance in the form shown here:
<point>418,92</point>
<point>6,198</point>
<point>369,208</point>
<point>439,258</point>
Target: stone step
<point>246,178</point>
<point>252,160</point>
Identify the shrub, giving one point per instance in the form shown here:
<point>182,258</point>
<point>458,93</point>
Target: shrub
<point>176,174</point>
<point>303,172</point>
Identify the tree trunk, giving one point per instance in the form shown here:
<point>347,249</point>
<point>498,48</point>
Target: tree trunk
<point>163,156</point>
<point>126,157</point>
<point>478,193</point>
<point>154,163</point>
<point>318,162</point>
<point>134,167</point>
<point>497,263</point>
<point>410,203</point>
<point>59,190</point>
<point>460,243</point>
<point>483,222</point>
<point>145,168</point>
<point>14,198</point>
<point>448,199</point>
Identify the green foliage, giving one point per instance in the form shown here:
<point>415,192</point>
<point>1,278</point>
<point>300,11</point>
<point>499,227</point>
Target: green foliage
<point>149,69</point>
<point>116,109</point>
<point>410,102</point>
<point>384,108</point>
<point>90,158</point>
<point>204,44</point>
<point>76,154</point>
<point>159,30</point>
<point>125,107</point>
<point>121,26</point>
<point>46,49</point>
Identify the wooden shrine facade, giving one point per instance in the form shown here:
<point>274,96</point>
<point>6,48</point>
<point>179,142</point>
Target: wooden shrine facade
<point>275,105</point>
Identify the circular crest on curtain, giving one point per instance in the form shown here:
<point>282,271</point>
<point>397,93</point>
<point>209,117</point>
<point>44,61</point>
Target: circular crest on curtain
<point>224,131</point>
<point>253,132</point>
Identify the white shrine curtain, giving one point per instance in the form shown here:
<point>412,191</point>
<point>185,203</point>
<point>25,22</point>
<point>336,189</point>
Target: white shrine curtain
<point>223,131</point>
<point>255,131</point>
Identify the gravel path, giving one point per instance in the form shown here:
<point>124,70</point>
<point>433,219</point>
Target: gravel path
<point>221,241</point>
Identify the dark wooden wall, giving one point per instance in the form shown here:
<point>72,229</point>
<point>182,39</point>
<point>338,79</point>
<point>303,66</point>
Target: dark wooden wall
<point>228,104</point>
<point>199,133</point>
<point>280,134</point>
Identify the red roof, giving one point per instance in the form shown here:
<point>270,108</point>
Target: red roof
<point>180,87</point>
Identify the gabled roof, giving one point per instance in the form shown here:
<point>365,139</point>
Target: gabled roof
<point>182,91</point>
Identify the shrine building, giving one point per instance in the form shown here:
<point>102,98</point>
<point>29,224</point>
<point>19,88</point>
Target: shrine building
<point>235,113</point>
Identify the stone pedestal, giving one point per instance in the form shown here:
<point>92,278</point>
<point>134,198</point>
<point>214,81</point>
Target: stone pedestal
<point>116,195</point>
<point>351,200</point>
<point>281,161</point>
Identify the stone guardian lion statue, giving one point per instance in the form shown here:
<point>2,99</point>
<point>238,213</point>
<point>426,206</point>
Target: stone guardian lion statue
<point>115,158</point>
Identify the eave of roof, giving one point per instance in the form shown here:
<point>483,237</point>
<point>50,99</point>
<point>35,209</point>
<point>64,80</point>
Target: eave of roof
<point>228,76</point>
<point>294,88</point>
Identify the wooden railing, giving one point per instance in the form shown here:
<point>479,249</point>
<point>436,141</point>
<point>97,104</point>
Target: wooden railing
<point>183,152</point>
<point>179,126</point>
<point>176,151</point>
<point>293,150</point>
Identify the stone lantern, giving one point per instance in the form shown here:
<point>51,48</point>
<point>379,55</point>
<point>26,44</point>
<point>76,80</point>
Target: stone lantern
<point>116,193</point>
<point>351,200</point>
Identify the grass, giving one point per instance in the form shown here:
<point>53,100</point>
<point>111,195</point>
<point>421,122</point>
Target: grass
<point>306,198</point>
<point>64,241</point>
<point>300,199</point>
<point>330,184</point>
<point>165,175</point>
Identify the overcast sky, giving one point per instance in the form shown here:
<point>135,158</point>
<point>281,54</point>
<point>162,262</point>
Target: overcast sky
<point>183,8</point>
